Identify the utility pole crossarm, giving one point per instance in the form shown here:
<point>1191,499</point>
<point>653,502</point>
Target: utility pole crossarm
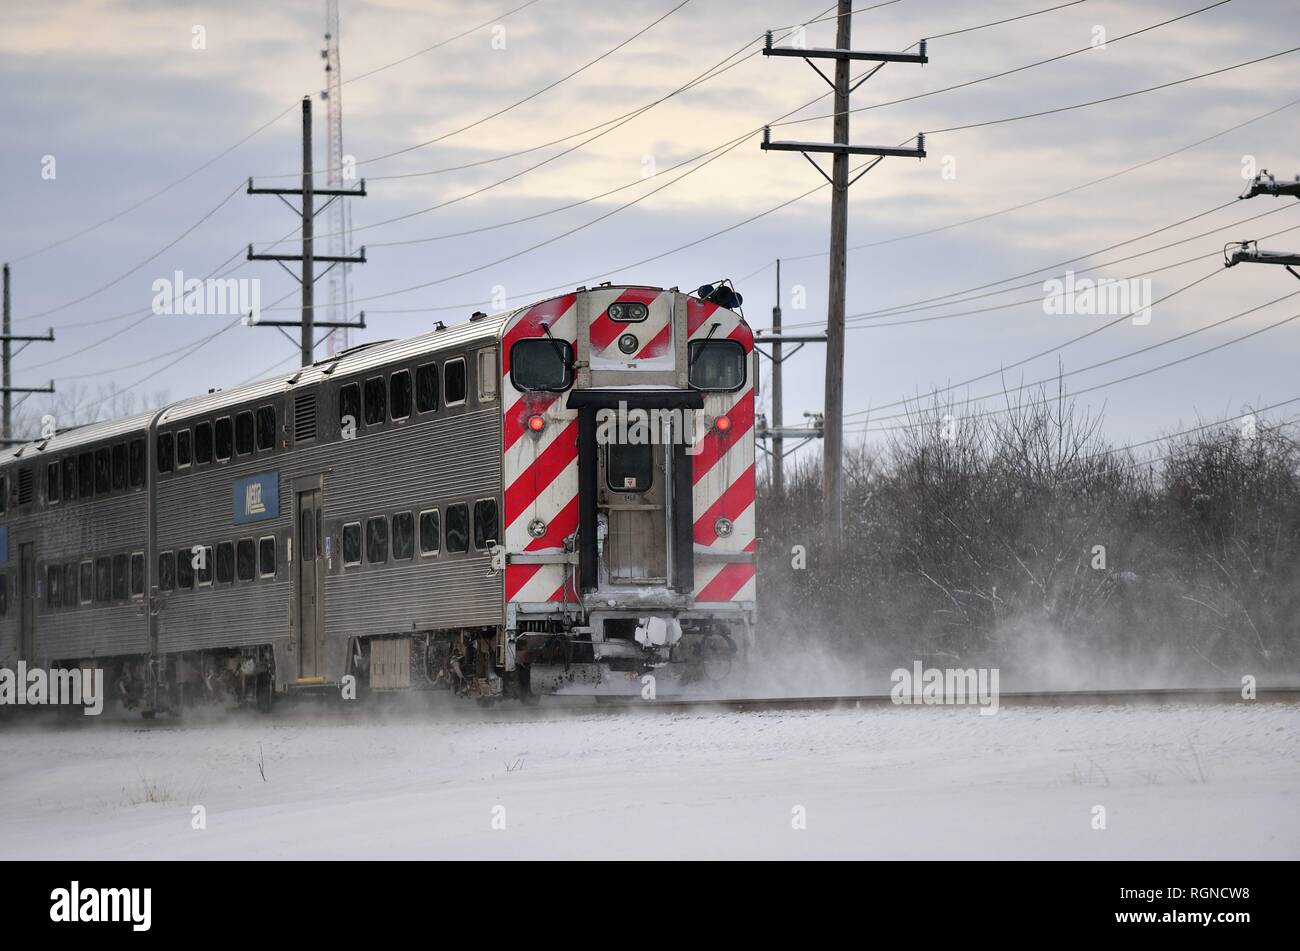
<point>843,148</point>
<point>845,54</point>
<point>328,258</point>
<point>308,256</point>
<point>340,192</point>
<point>1289,258</point>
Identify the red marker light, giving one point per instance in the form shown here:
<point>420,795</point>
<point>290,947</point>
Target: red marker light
<point>722,423</point>
<point>536,423</point>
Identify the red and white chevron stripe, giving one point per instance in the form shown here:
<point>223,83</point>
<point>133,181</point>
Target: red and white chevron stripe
<point>723,469</point>
<point>541,469</point>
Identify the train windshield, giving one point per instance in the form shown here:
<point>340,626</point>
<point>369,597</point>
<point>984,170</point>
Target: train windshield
<point>716,364</point>
<point>541,364</point>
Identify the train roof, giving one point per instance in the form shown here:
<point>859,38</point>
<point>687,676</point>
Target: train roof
<point>355,360</point>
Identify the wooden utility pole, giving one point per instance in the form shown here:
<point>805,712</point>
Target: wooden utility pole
<point>833,403</point>
<point>7,424</point>
<point>308,257</point>
<point>778,443</point>
<point>840,150</point>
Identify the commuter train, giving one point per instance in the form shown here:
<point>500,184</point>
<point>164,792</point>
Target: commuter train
<point>557,499</point>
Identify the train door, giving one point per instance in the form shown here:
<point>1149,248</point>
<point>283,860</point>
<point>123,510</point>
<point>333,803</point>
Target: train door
<point>309,586</point>
<point>27,602</point>
<point>632,491</point>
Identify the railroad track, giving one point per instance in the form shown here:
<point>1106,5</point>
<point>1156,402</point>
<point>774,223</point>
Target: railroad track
<point>1052,698</point>
<point>559,706</point>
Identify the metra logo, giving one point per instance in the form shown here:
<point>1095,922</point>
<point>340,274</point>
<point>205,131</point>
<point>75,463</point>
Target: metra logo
<point>257,497</point>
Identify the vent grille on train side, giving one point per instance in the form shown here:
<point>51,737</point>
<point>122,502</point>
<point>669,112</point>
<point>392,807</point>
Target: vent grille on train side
<point>26,486</point>
<point>304,417</point>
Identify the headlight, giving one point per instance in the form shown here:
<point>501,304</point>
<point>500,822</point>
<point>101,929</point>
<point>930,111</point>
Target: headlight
<point>628,343</point>
<point>723,527</point>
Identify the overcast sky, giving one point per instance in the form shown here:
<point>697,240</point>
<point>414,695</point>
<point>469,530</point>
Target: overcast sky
<point>117,94</point>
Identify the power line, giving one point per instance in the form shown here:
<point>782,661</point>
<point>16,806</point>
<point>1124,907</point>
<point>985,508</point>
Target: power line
<point>1126,95</point>
<point>1123,379</point>
<point>1096,181</point>
<point>609,126</point>
<point>1041,353</point>
<point>532,95</point>
<point>250,135</point>
<point>1038,299</point>
<point>439,44</point>
<point>162,191</point>
<point>121,277</point>
<point>1011,72</point>
<point>944,300</point>
<point>1094,366</point>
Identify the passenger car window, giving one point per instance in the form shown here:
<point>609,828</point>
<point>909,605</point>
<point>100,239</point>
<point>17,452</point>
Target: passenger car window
<point>103,470</point>
<point>350,406</point>
<point>167,571</point>
<point>265,428</point>
<point>426,388</point>
<point>223,438</point>
<point>184,448</point>
<point>119,467</point>
<point>245,560</point>
<point>87,582</point>
<point>244,432</point>
<point>53,587</point>
<point>69,585</point>
<point>69,479</point>
<point>453,381</point>
<point>486,531</point>
<point>377,540</point>
<point>185,569</point>
<point>137,464</point>
<point>52,482</point>
<point>376,402</point>
<point>352,544</point>
<point>137,574</point>
<point>399,394</point>
<point>429,532</point>
<point>86,473</point>
<point>203,443</point>
<point>225,563</point>
<point>541,364</point>
<point>457,528</point>
<point>403,536</point>
<point>120,579</point>
<point>103,579</point>
<point>203,571</point>
<point>266,556</point>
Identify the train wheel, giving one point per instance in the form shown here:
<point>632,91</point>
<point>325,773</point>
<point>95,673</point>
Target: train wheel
<point>265,692</point>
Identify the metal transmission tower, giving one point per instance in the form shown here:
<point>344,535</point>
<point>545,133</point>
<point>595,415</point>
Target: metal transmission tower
<point>308,257</point>
<point>840,149</point>
<point>340,217</point>
<point>7,432</point>
<point>1248,252</point>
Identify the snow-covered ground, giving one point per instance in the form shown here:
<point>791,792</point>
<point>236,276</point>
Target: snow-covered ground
<point>1182,782</point>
